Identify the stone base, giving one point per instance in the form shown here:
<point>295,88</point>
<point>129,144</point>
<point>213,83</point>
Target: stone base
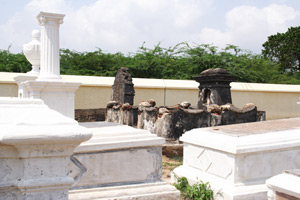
<point>238,159</point>
<point>146,191</point>
<point>57,94</point>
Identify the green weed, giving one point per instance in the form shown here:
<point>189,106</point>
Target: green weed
<point>198,191</point>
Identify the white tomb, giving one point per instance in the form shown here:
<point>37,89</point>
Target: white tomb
<point>119,162</point>
<point>36,144</point>
<point>238,159</point>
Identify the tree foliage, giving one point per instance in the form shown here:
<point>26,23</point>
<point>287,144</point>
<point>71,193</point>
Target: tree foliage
<point>284,49</point>
<point>179,62</point>
<point>10,62</point>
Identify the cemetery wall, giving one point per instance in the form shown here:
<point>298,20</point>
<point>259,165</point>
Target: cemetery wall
<point>279,101</point>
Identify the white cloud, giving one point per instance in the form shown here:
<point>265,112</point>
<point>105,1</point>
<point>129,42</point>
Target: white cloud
<point>123,25</point>
<point>249,26</point>
<point>113,25</point>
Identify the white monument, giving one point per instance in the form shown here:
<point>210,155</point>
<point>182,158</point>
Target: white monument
<point>36,144</point>
<point>48,85</point>
<point>238,159</point>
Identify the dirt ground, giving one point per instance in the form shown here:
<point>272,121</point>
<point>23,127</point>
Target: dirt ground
<point>168,165</point>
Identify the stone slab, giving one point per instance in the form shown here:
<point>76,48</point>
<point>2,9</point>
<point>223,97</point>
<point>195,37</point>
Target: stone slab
<point>238,130</point>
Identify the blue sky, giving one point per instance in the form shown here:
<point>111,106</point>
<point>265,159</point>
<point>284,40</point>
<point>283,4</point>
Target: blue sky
<point>123,25</point>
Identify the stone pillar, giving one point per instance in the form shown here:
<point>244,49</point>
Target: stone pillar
<point>214,87</point>
<point>36,144</point>
<point>50,66</point>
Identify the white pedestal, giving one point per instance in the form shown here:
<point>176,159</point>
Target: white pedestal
<point>58,95</point>
<point>119,162</point>
<point>237,159</point>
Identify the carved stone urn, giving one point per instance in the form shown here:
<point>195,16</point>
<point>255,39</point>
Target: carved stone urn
<point>32,52</point>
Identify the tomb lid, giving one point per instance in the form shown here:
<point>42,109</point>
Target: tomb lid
<point>214,75</point>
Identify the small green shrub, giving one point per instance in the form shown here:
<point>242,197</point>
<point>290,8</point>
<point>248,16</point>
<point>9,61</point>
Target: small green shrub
<point>198,191</point>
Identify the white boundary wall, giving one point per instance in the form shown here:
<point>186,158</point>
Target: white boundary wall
<point>279,101</point>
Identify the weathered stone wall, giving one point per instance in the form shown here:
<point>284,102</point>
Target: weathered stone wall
<point>90,115</point>
<point>172,122</point>
<point>122,114</point>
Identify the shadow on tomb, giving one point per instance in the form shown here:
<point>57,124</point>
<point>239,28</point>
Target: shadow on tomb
<point>214,107</point>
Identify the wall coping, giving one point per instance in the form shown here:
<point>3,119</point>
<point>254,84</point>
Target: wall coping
<point>100,81</point>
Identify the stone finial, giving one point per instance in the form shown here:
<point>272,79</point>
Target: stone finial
<point>214,87</point>
<point>123,90</point>
<point>32,51</point>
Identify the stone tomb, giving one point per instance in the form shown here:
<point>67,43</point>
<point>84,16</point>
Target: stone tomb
<point>238,159</point>
<point>119,162</point>
<point>214,87</point>
<point>214,107</point>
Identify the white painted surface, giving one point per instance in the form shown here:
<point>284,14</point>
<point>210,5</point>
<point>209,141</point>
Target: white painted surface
<point>36,144</point>
<point>237,159</point>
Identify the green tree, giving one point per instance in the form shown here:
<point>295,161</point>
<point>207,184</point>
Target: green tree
<point>284,49</point>
<point>10,62</point>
